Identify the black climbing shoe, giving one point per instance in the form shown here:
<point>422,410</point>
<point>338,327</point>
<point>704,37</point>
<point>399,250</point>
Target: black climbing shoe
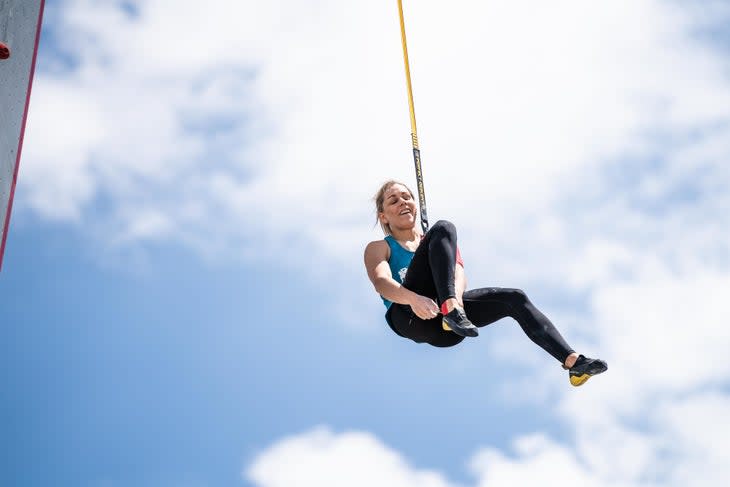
<point>585,368</point>
<point>456,321</point>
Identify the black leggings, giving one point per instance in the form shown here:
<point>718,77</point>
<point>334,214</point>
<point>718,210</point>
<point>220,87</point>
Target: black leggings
<point>431,273</point>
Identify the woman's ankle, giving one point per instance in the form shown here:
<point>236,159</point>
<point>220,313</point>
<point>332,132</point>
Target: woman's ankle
<point>570,361</point>
<point>450,304</point>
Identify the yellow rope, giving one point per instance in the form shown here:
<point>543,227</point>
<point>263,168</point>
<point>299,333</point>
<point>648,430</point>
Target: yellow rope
<point>414,132</point>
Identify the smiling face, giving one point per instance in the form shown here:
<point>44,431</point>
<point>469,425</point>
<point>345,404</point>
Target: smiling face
<point>397,208</point>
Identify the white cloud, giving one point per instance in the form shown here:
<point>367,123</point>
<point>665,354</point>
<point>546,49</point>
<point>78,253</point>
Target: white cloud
<point>325,459</point>
<point>698,427</point>
<point>537,461</point>
<point>278,115</point>
<point>72,126</point>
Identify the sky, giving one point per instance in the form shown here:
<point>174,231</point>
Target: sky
<point>183,298</point>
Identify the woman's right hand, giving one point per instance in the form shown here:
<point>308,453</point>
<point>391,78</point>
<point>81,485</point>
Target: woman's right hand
<point>425,308</point>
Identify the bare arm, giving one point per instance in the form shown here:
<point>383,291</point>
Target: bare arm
<point>376,264</point>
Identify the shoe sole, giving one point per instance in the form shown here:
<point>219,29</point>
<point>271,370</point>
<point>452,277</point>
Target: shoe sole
<point>464,333</point>
<point>579,380</point>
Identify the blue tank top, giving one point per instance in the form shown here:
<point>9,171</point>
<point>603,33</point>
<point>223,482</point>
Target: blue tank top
<point>399,261</point>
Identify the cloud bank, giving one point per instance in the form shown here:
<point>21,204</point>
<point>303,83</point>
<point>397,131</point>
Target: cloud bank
<point>325,458</point>
<point>207,125</point>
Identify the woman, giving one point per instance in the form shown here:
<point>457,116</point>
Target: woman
<point>422,283</point>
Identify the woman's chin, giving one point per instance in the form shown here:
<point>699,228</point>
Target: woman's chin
<point>406,225</point>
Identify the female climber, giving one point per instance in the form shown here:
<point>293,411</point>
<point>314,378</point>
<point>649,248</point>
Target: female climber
<point>422,283</point>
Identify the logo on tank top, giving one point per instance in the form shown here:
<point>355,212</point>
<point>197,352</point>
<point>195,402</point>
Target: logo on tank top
<point>402,274</point>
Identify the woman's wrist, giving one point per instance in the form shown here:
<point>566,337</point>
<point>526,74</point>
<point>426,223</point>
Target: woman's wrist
<point>411,297</point>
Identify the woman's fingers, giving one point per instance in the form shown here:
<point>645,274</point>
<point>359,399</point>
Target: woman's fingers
<point>427,314</point>
<point>433,308</point>
<point>426,309</point>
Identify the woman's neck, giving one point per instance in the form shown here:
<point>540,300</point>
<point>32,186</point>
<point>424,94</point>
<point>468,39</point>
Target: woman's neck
<point>406,235</point>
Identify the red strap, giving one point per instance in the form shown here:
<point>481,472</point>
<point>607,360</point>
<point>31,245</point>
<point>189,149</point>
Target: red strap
<point>459,260</point>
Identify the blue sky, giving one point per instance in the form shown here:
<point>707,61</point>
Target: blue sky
<point>183,293</point>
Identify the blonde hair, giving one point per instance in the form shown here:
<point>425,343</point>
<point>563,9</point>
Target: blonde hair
<point>379,199</point>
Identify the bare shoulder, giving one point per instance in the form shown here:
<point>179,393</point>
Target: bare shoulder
<point>377,250</point>
<point>377,254</point>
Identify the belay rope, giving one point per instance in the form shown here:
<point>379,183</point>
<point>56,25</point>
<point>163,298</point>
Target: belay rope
<point>414,132</point>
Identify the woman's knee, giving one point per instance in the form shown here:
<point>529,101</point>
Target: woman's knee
<point>516,295</point>
<point>445,228</point>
